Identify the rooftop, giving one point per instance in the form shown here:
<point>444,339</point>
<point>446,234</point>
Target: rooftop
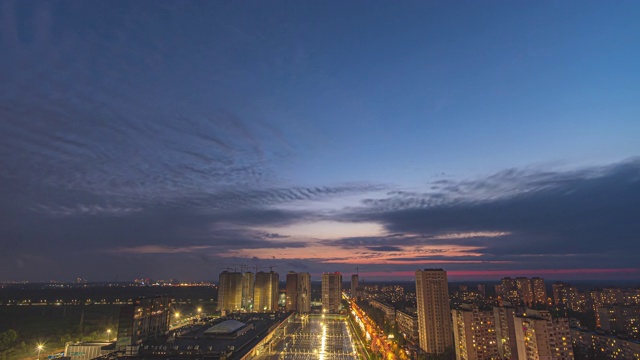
<point>225,327</point>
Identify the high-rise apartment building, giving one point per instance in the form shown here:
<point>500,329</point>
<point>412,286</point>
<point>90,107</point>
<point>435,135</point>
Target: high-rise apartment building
<point>434,314</point>
<point>525,290</point>
<point>298,295</point>
<point>474,333</point>
<point>567,295</point>
<point>331,292</point>
<point>539,290</point>
<point>505,331</point>
<point>481,289</point>
<point>355,289</point>
<point>145,319</point>
<point>620,319</point>
<point>265,292</point>
<point>230,291</point>
<point>541,337</point>
<point>247,291</point>
<point>522,290</point>
<point>508,290</point>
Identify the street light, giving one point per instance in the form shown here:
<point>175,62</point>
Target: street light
<point>40,347</point>
<point>108,335</point>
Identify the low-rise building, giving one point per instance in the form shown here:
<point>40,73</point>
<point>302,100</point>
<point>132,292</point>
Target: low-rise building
<point>389,311</point>
<point>407,324</point>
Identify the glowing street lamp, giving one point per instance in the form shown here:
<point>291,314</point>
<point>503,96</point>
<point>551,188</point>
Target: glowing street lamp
<point>40,347</point>
<point>108,335</point>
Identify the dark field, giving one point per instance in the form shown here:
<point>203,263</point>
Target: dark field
<point>53,316</point>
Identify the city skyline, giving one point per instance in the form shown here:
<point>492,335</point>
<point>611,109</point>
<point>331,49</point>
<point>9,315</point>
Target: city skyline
<point>173,140</point>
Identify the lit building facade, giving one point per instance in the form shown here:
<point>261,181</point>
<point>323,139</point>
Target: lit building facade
<point>247,291</point>
<point>474,334</point>
<point>539,290</point>
<point>388,310</point>
<point>298,295</point>
<point>508,290</point>
<point>525,290</point>
<point>355,289</point>
<point>331,292</point>
<point>230,291</point>
<point>146,318</point>
<point>434,313</point>
<point>541,337</point>
<point>620,320</point>
<point>567,295</point>
<point>265,292</point>
<point>503,317</point>
<point>600,346</point>
<point>407,324</point>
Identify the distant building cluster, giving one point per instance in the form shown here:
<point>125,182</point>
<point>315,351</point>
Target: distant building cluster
<point>522,290</point>
<point>244,292</point>
<point>520,321</point>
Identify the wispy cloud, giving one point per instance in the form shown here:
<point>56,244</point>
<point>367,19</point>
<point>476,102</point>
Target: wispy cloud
<point>158,249</point>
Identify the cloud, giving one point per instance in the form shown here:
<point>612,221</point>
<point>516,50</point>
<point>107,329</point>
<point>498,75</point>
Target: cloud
<point>528,216</point>
<point>158,249</point>
<point>384,248</point>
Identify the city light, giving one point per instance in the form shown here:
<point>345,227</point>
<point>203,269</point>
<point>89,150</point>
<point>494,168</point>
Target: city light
<point>40,347</point>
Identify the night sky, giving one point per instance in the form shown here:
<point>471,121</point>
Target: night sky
<point>174,139</point>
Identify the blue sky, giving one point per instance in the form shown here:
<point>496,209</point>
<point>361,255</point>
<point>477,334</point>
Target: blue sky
<point>272,132</point>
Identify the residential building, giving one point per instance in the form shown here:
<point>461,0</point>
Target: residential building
<point>388,310</point>
<point>434,313</point>
<point>247,291</point>
<point>474,333</point>
<point>503,317</point>
<point>620,320</point>
<point>567,295</point>
<point>230,291</point>
<point>298,294</point>
<point>144,319</point>
<point>598,346</point>
<point>541,337</point>
<point>525,290</point>
<point>407,324</point>
<point>265,291</point>
<point>355,289</point>
<point>539,290</point>
<point>331,292</point>
<point>508,290</point>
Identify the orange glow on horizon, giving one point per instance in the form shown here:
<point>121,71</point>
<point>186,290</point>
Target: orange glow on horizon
<point>442,254</point>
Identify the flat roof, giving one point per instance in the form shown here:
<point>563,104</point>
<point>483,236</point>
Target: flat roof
<point>225,327</point>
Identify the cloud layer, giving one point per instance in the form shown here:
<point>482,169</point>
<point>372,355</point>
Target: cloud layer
<point>134,142</point>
